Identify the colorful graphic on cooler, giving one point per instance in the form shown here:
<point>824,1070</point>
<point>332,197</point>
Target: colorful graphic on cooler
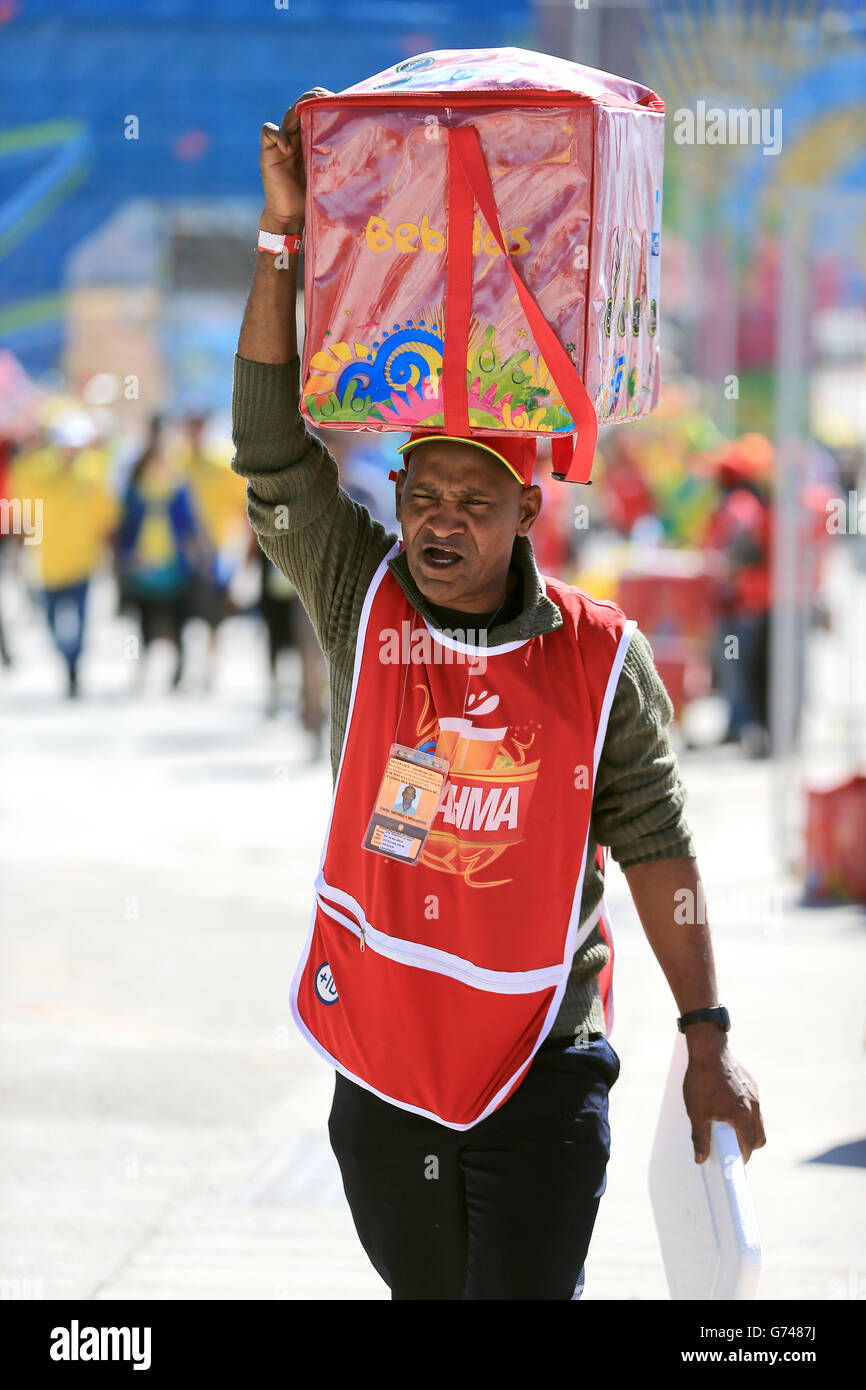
<point>619,360</point>
<point>623,307</point>
<point>655,267</point>
<point>640,297</point>
<point>613,281</point>
<point>397,381</point>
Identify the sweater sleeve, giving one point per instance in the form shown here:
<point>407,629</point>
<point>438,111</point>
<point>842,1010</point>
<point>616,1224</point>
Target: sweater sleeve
<point>639,797</point>
<point>325,543</point>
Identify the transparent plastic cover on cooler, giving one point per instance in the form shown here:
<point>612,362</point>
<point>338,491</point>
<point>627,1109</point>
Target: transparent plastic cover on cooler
<point>396,197</point>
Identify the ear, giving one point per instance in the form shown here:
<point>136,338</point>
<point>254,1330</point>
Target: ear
<point>399,483</point>
<point>530,506</point>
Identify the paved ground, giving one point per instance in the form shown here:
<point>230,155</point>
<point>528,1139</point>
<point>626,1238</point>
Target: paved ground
<point>164,1125</point>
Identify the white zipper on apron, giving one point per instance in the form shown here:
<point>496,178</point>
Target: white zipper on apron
<point>405,952</point>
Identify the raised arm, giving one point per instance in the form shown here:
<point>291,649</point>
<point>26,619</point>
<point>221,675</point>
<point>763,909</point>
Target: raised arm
<point>268,332</point>
<point>324,542</point>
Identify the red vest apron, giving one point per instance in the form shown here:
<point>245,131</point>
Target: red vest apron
<point>466,955</point>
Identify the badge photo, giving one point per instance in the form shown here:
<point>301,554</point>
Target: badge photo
<point>411,791</point>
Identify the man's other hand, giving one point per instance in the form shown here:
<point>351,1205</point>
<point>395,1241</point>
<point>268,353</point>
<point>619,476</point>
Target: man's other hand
<point>717,1087</point>
<point>282,165</point>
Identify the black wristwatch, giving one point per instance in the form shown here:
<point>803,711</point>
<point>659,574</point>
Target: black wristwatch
<point>718,1014</point>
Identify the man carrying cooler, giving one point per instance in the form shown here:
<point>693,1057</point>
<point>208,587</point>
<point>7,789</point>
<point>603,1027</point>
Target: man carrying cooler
<point>457,969</point>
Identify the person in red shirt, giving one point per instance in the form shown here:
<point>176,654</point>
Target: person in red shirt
<point>739,531</point>
<point>627,495</point>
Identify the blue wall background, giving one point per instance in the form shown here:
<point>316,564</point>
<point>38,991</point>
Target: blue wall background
<point>201,76</point>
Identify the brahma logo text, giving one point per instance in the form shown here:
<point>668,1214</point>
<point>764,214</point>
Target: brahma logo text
<point>480,808</point>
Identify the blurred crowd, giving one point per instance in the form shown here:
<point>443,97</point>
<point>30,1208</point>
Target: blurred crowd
<point>695,512</point>
<point>165,516</point>
<point>677,526</point>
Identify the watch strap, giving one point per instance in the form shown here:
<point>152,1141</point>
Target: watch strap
<point>717,1014</point>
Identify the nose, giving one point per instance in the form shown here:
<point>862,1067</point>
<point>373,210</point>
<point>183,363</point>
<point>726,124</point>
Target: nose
<point>445,521</point>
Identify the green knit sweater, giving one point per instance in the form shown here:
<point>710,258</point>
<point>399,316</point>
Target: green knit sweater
<point>329,547</point>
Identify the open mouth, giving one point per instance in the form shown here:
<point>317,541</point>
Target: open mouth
<point>440,556</point>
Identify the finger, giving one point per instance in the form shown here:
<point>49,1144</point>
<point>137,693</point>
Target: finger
<point>273,136</point>
<point>313,92</point>
<point>291,120</point>
<point>701,1139</point>
<point>272,132</point>
<point>758,1123</point>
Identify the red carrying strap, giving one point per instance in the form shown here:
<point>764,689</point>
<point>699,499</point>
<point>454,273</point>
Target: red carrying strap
<point>468,183</point>
<point>458,296</point>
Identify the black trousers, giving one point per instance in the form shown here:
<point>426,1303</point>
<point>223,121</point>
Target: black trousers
<point>503,1210</point>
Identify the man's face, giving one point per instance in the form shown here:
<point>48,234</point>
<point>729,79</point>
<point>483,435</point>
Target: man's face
<point>460,510</point>
<point>408,797</point>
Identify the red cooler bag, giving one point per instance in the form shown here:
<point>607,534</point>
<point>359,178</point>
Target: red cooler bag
<point>835,831</point>
<point>482,250</point>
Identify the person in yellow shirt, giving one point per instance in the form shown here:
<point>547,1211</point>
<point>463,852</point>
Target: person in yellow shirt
<point>159,548</point>
<point>219,501</point>
<point>73,516</point>
<point>219,495</point>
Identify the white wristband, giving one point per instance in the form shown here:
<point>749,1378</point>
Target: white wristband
<point>276,244</point>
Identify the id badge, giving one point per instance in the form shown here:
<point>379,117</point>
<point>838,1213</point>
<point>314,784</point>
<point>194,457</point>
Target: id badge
<point>409,796</point>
